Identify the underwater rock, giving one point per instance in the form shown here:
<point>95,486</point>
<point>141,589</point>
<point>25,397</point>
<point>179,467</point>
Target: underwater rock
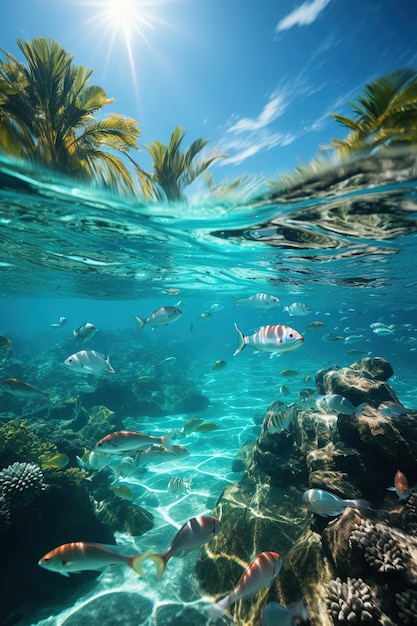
<point>122,516</point>
<point>407,606</point>
<point>243,457</point>
<point>101,422</point>
<point>364,381</point>
<point>115,608</point>
<point>349,559</point>
<point>178,615</point>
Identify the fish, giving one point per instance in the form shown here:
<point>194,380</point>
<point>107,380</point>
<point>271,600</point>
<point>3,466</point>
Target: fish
<point>85,331</point>
<point>172,291</point>
<point>62,321</point>
<point>400,487</point>
<point>327,504</point>
<point>288,373</point>
<point>122,491</point>
<point>20,389</point>
<point>382,329</point>
<point>193,534</point>
<point>206,427</point>
<point>306,378</point>
<point>275,614</point>
<point>80,556</point>
<point>260,573</point>
<point>316,325</point>
<point>298,309</point>
<point>306,393</point>
<point>123,440</point>
<point>161,317</point>
<point>354,352</point>
<point>275,421</point>
<point>144,379</point>
<point>179,485</point>
<point>392,409</point>
<point>5,345</point>
<point>89,362</point>
<point>353,338</point>
<point>257,301</point>
<point>218,365</point>
<point>205,316</point>
<point>191,425</point>
<point>284,390</point>
<point>57,461</point>
<point>340,404</point>
<point>276,339</point>
<point>216,307</point>
<point>329,337</point>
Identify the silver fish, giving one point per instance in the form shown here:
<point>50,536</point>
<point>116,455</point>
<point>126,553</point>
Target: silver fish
<point>258,301</point>
<point>88,362</point>
<point>161,317</point>
<point>19,388</point>
<point>179,486</point>
<point>85,331</point>
<point>392,409</point>
<point>298,309</point>
<point>327,504</point>
<point>340,404</point>
<point>275,614</point>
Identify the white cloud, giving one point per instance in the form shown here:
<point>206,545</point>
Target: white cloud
<point>271,111</point>
<point>307,13</point>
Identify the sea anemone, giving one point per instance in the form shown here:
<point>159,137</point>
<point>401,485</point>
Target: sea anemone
<point>351,602</point>
<point>20,484</point>
<point>407,604</point>
<point>380,547</point>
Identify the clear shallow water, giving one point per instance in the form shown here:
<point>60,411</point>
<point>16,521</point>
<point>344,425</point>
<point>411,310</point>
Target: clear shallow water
<point>346,251</point>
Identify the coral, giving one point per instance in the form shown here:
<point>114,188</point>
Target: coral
<point>20,484</point>
<point>351,602</point>
<point>18,441</point>
<point>381,549</point>
<point>407,604</point>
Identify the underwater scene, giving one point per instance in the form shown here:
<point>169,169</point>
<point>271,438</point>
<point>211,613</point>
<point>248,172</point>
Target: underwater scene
<point>208,313</point>
<point>210,417</point>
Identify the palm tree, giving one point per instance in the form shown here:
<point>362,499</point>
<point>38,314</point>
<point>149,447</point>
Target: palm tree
<point>384,114</point>
<point>173,169</point>
<point>48,117</point>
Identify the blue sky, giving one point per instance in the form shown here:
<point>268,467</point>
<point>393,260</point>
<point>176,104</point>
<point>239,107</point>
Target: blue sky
<point>257,78</point>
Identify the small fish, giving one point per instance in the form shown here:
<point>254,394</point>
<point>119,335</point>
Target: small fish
<point>205,316</point>
<point>218,365</point>
<point>353,338</point>
<point>400,487</point>
<point>122,491</point>
<point>306,393</point>
<point>60,324</point>
<point>326,504</point>
<point>284,390</point>
<point>84,332</point>
<point>89,362</point>
<point>354,352</point>
<point>206,427</point>
<point>275,421</point>
<point>276,339</point>
<point>19,388</point>
<point>298,309</point>
<point>172,291</point>
<point>257,301</point>
<point>260,573</point>
<point>57,461</point>
<point>86,389</point>
<point>288,373</point>
<point>191,425</point>
<point>159,454</point>
<point>193,534</point>
<point>123,440</point>
<point>161,317</point>
<point>144,379</point>
<point>340,404</point>
<point>179,486</point>
<point>79,556</point>
<point>392,409</point>
<point>306,378</point>
<point>275,614</point>
<point>382,329</point>
<point>216,307</point>
<point>328,337</point>
<point>316,325</point>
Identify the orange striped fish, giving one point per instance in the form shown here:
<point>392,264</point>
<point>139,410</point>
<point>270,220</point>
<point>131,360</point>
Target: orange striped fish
<point>261,572</point>
<point>79,556</point>
<point>276,339</point>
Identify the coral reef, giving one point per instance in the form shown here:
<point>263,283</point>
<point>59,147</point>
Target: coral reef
<point>351,602</point>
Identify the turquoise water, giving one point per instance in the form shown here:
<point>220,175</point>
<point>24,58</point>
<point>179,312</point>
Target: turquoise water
<point>348,253</point>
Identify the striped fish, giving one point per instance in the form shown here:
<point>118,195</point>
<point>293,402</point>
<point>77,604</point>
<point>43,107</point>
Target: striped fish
<point>276,339</point>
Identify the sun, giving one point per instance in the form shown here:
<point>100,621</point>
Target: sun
<point>125,23</point>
